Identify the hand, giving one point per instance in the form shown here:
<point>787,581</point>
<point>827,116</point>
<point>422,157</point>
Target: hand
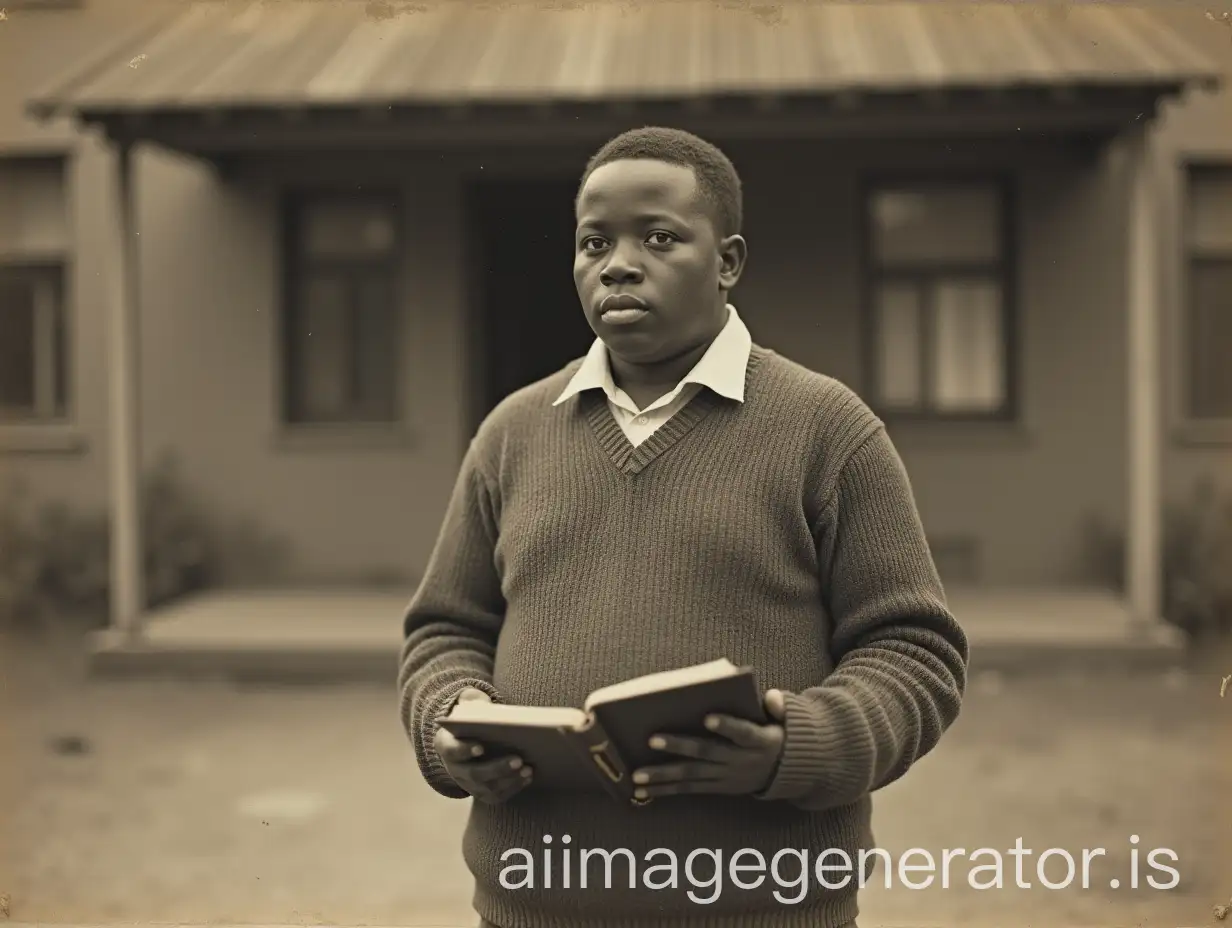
<point>739,761</point>
<point>490,780</point>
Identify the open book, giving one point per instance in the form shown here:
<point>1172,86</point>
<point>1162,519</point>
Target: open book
<point>605,741</point>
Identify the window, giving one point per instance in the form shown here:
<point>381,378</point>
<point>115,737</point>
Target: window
<point>1209,337</point>
<point>939,301</point>
<point>34,245</point>
<point>32,342</point>
<point>342,320</point>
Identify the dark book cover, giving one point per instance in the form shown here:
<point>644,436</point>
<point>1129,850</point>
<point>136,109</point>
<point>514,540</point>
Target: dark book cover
<point>601,745</point>
<point>556,748</point>
<point>631,722</point>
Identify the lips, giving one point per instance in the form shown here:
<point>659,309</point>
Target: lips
<point>621,301</point>
<point>622,309</point>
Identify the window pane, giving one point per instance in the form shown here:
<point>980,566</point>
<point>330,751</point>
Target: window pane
<point>33,210</point>
<point>1210,211</point>
<point>322,375</point>
<point>899,335</point>
<point>17,330</point>
<point>48,356</point>
<point>969,342</point>
<point>937,224</point>
<point>349,229</point>
<point>60,350</point>
<point>1211,340</point>
<point>378,346</point>
<point>32,343</point>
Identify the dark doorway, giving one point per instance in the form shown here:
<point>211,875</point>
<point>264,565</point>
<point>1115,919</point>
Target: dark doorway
<point>528,322</point>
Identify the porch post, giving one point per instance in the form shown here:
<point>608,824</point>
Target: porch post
<point>127,580</point>
<point>1144,542</point>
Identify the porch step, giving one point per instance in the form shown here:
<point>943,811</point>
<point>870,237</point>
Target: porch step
<point>113,656</point>
<point>263,636</point>
<point>353,637</point>
<point>1069,630</point>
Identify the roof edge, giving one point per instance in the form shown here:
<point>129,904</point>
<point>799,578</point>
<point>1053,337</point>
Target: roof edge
<point>102,109</point>
<point>50,100</point>
<point>61,97</point>
<point>56,99</point>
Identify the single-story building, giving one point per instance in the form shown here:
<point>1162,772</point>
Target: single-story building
<point>308,246</point>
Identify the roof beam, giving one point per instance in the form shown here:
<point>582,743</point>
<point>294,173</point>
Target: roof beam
<point>773,116</point>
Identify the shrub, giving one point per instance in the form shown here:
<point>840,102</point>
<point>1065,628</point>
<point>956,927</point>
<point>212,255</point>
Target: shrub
<point>55,560</point>
<point>1197,568</point>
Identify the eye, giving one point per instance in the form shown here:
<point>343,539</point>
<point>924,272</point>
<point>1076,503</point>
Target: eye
<point>592,243</point>
<point>664,238</point>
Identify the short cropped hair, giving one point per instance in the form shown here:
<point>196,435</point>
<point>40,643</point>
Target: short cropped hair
<point>717,179</point>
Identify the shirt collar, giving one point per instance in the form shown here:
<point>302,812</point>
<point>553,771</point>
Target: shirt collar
<point>722,368</point>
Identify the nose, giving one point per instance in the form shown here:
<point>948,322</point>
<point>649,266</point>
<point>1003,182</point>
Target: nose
<point>620,268</point>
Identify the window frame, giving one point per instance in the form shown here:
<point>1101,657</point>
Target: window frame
<point>21,428</point>
<point>1189,258</point>
<point>1004,271</point>
<point>51,276</point>
<point>296,203</point>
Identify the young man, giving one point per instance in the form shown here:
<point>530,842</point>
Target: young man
<point>681,494</point>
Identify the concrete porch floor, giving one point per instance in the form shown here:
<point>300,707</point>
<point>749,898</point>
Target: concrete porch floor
<point>354,635</point>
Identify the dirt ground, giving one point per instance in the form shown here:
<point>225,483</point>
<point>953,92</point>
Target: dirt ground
<point>161,802</point>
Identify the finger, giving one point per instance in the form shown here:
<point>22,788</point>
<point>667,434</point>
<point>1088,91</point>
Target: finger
<point>740,732</point>
<point>776,705</point>
<point>699,748</point>
<point>491,771</point>
<point>451,749</point>
<point>460,752</point>
<point>472,694</point>
<point>491,786</point>
<point>510,784</point>
<point>675,773</point>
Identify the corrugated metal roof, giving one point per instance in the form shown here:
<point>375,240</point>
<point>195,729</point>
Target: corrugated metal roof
<point>301,52</point>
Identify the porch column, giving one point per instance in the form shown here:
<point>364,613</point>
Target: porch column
<point>1144,542</point>
<point>127,580</point>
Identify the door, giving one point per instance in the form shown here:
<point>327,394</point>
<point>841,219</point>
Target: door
<point>528,315</point>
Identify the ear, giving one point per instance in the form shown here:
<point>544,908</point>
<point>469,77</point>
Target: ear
<point>733,253</point>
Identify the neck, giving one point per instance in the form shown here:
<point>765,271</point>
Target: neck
<point>647,377</point>
<point>660,376</point>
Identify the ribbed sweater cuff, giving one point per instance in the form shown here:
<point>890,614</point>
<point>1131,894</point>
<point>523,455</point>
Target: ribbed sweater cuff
<point>815,764</point>
<point>436,707</point>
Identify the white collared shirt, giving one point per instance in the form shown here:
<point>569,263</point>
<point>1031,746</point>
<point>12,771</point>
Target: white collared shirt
<point>722,368</point>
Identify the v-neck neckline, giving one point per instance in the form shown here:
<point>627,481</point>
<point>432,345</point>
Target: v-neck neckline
<point>631,459</point>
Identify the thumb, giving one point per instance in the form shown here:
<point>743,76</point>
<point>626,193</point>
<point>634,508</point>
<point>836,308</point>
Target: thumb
<point>776,705</point>
<point>471,693</point>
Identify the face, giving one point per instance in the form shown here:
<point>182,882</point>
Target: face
<point>651,271</point>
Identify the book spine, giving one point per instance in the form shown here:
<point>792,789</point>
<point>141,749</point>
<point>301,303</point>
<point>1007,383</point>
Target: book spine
<point>601,755</point>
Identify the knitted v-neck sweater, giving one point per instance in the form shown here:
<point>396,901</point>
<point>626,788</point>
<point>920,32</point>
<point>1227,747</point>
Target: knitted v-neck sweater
<point>780,532</point>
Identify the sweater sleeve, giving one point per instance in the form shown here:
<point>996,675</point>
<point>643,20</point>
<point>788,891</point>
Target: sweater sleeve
<point>451,626</point>
<point>901,657</point>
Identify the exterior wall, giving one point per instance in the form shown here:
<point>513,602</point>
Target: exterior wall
<point>36,45</point>
<point>1021,490</point>
<point>210,297</point>
<point>1200,127</point>
<point>355,510</point>
<point>359,508</point>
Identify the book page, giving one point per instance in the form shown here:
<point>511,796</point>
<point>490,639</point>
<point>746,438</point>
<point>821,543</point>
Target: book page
<point>491,713</point>
<point>664,680</point>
